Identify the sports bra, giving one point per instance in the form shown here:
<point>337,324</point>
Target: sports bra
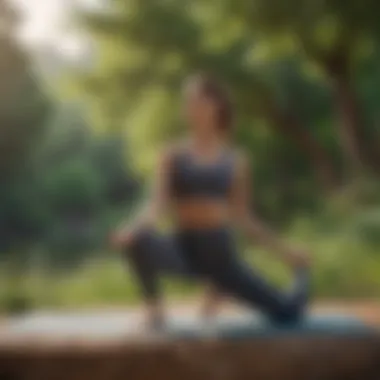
<point>190,179</point>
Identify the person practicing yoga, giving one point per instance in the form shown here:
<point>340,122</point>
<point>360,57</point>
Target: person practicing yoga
<point>204,182</point>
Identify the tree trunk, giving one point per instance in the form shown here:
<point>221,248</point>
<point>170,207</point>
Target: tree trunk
<point>357,153</point>
<point>336,64</point>
<point>349,123</point>
<point>290,126</point>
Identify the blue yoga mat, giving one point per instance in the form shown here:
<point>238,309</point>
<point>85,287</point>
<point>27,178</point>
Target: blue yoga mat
<point>252,327</point>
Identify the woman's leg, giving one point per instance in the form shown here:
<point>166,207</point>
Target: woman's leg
<point>217,257</point>
<point>150,256</point>
<point>281,307</point>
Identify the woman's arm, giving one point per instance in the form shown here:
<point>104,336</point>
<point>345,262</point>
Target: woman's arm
<point>154,206</point>
<point>249,222</point>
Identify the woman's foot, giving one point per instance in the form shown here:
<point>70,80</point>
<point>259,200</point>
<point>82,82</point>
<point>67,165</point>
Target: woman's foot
<point>211,303</point>
<point>155,318</point>
<point>301,288</point>
<point>155,324</point>
<point>303,283</point>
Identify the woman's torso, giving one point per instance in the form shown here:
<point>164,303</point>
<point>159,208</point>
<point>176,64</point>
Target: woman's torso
<point>201,189</point>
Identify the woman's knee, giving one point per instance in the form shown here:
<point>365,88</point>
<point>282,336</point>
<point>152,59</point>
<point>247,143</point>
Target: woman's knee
<point>139,243</point>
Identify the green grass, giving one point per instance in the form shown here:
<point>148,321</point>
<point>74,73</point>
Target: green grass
<point>95,284</point>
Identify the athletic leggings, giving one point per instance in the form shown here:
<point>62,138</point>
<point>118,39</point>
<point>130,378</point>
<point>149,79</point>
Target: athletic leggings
<point>210,255</point>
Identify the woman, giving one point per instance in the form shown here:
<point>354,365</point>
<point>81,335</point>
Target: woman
<point>204,182</point>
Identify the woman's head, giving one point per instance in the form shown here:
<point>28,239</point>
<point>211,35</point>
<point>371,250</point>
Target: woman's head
<point>208,107</point>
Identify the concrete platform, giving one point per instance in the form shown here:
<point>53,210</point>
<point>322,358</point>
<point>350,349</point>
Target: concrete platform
<point>114,327</point>
<point>114,345</point>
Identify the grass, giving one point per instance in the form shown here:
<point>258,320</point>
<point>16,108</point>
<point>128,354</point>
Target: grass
<point>96,283</point>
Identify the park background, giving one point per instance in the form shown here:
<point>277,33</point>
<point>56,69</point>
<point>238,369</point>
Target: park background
<point>83,117</point>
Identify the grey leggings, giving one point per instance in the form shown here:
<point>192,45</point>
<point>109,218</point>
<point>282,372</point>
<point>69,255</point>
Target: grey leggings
<point>210,255</point>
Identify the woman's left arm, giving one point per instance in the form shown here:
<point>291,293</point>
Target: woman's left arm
<point>250,223</point>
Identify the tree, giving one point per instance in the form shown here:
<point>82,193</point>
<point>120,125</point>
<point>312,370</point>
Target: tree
<point>24,109</point>
<point>145,48</point>
<point>24,106</point>
<point>83,180</point>
<point>335,35</point>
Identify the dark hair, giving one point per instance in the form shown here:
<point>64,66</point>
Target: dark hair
<point>213,89</point>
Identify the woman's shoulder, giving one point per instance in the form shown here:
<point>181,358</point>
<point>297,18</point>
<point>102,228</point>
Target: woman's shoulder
<point>240,157</point>
<point>172,150</point>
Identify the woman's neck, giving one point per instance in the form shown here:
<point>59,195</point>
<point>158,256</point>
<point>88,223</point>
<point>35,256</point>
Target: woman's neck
<point>207,144</point>
<point>207,150</point>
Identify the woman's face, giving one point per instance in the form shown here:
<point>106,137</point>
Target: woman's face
<point>199,109</point>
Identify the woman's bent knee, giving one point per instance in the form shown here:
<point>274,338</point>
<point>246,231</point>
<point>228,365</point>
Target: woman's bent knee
<point>140,242</point>
<point>138,254</point>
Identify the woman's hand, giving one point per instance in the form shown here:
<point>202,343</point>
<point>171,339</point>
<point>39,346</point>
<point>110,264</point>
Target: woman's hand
<point>122,238</point>
<point>297,258</point>
<point>153,207</point>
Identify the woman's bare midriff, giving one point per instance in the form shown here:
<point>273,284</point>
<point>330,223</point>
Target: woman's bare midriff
<point>200,213</point>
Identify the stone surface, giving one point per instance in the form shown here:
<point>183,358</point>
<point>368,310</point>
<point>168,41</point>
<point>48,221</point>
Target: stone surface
<point>116,326</point>
<point>113,345</point>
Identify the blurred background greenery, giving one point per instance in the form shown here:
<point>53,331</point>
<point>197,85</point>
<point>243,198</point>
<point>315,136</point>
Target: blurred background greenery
<point>81,125</point>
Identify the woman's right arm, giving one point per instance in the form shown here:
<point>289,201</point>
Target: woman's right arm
<point>252,225</point>
<point>154,206</point>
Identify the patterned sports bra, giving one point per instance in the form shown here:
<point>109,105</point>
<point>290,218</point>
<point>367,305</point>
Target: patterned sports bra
<point>192,179</point>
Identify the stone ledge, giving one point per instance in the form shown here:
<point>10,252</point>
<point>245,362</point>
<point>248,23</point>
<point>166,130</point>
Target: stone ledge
<point>264,358</point>
<point>322,348</point>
